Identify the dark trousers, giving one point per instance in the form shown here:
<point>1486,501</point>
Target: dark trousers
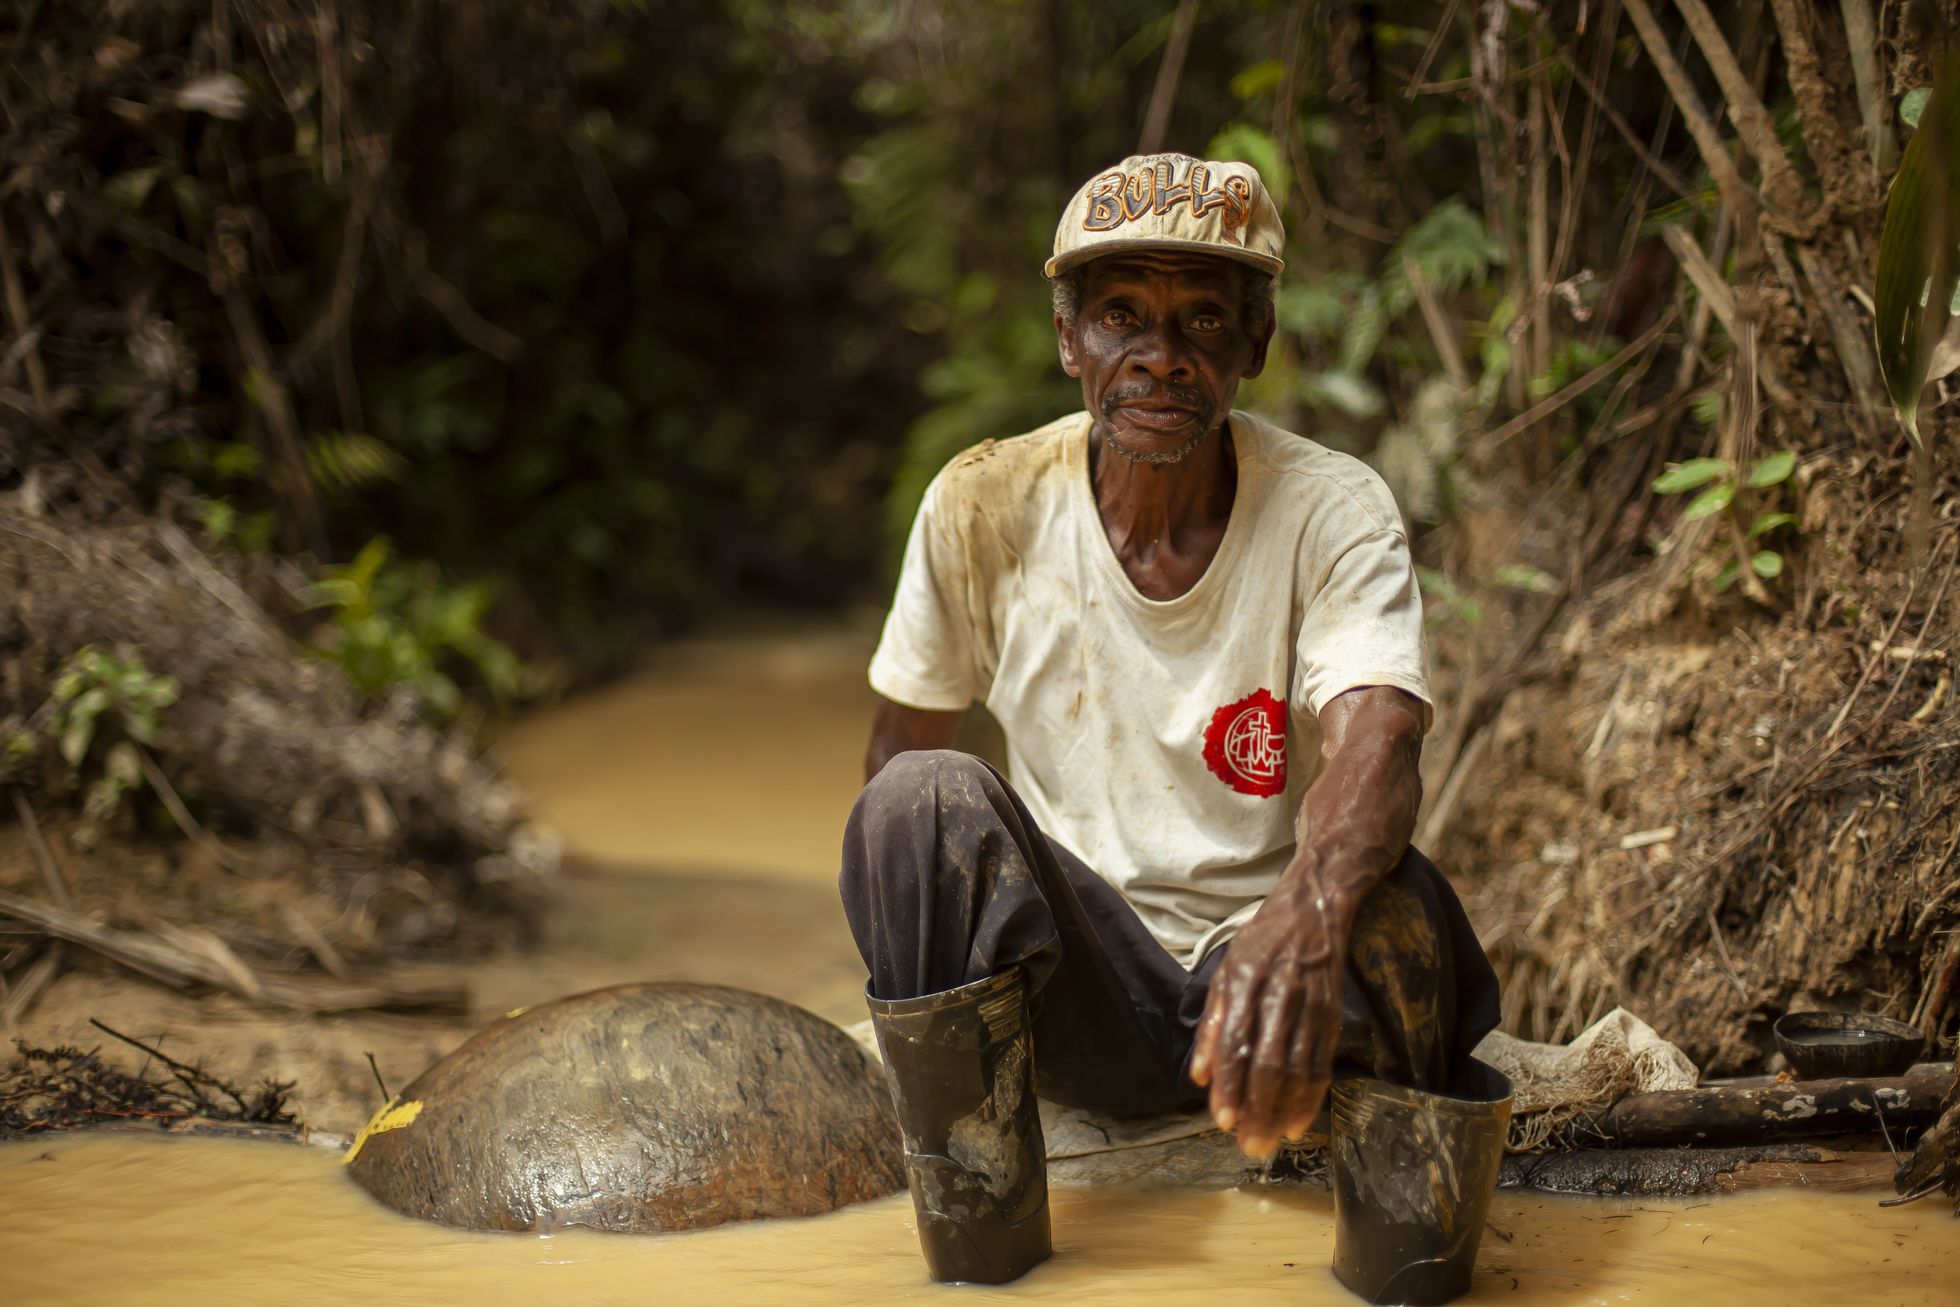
<point>946,880</point>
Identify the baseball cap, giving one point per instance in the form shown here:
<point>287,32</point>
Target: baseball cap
<point>1171,202</point>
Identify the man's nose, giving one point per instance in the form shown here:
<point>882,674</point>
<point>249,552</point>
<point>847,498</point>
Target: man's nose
<point>1162,352</point>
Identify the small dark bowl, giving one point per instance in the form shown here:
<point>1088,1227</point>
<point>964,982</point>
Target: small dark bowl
<point>1826,1045</point>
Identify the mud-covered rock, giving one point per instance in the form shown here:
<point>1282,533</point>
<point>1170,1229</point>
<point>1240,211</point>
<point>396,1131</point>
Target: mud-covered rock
<point>641,1108</point>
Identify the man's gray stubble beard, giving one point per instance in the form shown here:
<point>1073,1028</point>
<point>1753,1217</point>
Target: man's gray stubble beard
<point>1158,458</point>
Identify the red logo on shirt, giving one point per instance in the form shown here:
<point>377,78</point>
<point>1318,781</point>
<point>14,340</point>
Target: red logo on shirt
<point>1245,745</point>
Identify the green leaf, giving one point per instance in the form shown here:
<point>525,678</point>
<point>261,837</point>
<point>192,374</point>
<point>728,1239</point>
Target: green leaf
<point>1767,563</point>
<point>1367,322</point>
<point>219,516</point>
<point>1353,395</point>
<point>1710,501</point>
<point>1917,254</point>
<point>1707,406</point>
<point>1260,79</point>
<point>121,765</point>
<point>1773,470</point>
<point>127,190</point>
<point>1913,104</point>
<point>79,731</point>
<point>1244,143</point>
<point>237,459</point>
<point>1768,522</point>
<point>1688,475</point>
<point>1726,577</point>
<point>1517,576</point>
<point>1311,308</point>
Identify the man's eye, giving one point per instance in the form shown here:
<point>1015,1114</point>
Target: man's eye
<point>1117,318</point>
<point>1207,322</point>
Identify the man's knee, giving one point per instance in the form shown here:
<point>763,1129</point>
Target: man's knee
<point>923,771</point>
<point>909,812</point>
<point>1400,928</point>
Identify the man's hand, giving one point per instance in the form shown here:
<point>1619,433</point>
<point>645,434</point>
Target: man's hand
<point>1266,1043</point>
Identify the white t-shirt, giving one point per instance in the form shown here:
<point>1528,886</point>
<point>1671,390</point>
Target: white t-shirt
<point>1167,743</point>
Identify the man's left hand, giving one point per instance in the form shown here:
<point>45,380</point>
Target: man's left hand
<point>1266,1043</point>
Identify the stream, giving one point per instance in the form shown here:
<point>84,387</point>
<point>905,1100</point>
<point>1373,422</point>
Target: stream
<point>714,786</point>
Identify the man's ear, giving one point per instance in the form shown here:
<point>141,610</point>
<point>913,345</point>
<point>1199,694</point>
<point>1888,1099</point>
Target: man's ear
<point>1261,340</point>
<point>1065,345</point>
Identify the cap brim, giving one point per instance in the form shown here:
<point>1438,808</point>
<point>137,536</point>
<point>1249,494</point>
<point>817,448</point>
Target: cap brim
<point>1061,263</point>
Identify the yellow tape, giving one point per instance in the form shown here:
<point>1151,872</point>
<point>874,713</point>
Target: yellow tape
<point>394,1114</point>
<point>516,1012</point>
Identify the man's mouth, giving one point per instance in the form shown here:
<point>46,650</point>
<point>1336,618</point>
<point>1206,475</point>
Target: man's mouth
<point>1157,417</point>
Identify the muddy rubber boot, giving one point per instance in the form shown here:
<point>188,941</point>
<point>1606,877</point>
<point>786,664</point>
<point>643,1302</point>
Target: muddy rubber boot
<point>1413,1175</point>
<point>961,1067</point>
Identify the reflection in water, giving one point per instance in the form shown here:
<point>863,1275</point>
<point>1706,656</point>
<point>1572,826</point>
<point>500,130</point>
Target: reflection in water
<point>746,757</point>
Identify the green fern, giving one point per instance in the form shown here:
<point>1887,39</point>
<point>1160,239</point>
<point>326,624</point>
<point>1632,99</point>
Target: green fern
<point>352,460</point>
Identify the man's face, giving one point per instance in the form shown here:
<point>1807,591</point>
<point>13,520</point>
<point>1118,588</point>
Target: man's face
<point>1160,343</point>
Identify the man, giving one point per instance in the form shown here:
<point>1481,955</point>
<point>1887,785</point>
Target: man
<point>1203,638</point>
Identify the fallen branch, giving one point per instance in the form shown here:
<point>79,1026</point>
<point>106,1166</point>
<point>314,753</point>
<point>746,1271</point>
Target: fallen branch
<point>173,963</point>
<point>1730,1114</point>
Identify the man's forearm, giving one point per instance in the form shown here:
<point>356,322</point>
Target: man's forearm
<point>897,729</point>
<point>1360,812</point>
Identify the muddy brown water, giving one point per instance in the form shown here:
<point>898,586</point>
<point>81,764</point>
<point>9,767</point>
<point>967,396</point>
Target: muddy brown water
<point>666,774</point>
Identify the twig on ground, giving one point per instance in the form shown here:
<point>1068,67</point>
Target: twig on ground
<point>190,1075</point>
<point>380,1084</point>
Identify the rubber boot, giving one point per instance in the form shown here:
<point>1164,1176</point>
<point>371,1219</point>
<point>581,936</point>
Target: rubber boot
<point>1413,1175</point>
<point>961,1066</point>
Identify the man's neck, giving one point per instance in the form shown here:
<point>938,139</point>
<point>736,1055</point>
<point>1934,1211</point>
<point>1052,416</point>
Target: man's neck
<point>1165,521</point>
